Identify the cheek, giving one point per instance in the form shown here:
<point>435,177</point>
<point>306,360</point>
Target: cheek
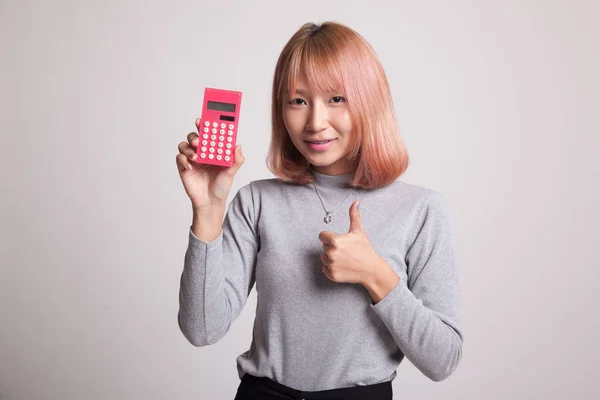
<point>293,122</point>
<point>344,122</point>
<point>347,121</point>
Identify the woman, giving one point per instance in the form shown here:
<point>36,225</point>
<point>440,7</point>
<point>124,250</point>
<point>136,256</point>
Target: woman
<point>342,294</point>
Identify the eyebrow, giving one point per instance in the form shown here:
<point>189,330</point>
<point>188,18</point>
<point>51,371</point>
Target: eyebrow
<point>302,91</point>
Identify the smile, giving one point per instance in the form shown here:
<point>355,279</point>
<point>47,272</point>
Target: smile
<point>321,146</point>
<point>320,141</point>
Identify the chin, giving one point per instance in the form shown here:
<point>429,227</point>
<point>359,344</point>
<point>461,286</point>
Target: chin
<point>322,161</point>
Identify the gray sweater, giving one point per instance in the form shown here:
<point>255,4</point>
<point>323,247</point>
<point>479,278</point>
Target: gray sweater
<point>311,333</point>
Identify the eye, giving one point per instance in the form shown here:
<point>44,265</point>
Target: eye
<point>338,99</point>
<point>296,101</point>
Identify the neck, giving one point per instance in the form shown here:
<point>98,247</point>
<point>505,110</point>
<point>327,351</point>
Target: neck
<point>340,167</point>
<point>341,181</point>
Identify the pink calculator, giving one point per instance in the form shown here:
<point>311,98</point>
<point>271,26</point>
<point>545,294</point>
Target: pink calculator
<point>218,126</point>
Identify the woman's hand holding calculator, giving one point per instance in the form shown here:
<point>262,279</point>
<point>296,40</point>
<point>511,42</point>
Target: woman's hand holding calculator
<point>206,185</point>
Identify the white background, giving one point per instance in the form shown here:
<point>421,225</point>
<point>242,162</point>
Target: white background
<point>498,102</point>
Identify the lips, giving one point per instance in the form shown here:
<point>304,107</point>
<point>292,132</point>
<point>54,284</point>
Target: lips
<point>319,141</point>
<point>320,147</point>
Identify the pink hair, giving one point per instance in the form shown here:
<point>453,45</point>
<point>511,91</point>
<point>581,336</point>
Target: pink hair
<point>334,57</point>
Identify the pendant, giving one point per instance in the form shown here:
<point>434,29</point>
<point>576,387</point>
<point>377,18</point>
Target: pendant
<point>327,218</point>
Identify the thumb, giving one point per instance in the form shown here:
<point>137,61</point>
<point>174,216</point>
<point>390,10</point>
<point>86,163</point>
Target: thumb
<point>355,222</point>
<point>238,160</point>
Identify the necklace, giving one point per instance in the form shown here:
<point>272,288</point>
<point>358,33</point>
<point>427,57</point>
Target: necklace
<point>327,218</point>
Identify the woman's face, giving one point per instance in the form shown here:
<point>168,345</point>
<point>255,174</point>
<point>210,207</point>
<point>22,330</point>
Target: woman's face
<point>310,116</point>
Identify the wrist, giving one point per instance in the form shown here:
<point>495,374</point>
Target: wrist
<point>207,222</point>
<point>381,281</point>
<point>208,208</point>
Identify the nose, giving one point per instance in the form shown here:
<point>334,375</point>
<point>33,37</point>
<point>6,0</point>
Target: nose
<point>317,118</point>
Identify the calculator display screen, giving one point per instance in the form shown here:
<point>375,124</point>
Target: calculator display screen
<point>218,106</point>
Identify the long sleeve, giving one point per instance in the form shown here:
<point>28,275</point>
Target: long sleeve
<point>423,314</point>
<point>219,275</point>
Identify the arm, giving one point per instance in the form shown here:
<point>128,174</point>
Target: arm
<point>423,314</point>
<point>218,275</point>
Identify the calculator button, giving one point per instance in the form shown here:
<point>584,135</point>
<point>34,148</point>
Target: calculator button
<point>205,136</point>
<point>230,126</point>
<point>227,152</point>
<point>211,150</point>
<point>202,155</point>
<point>229,139</point>
<point>221,138</point>
<point>213,137</point>
<point>230,132</point>
<point>215,124</point>
<point>205,129</point>
<point>227,158</point>
<point>204,142</point>
<point>222,131</point>
<point>212,143</point>
<point>219,157</point>
<point>223,125</point>
<point>214,130</point>
<point>220,144</point>
<point>220,151</point>
<point>206,123</point>
<point>228,145</point>
<point>203,148</point>
<point>211,156</point>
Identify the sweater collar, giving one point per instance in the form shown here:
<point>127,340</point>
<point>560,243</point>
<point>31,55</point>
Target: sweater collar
<point>332,181</point>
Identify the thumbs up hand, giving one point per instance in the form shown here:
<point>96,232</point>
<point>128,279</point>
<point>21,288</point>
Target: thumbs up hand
<point>349,257</point>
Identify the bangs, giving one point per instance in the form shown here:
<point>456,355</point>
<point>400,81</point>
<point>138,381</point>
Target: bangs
<point>320,63</point>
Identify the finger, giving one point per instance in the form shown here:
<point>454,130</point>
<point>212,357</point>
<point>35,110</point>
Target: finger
<point>193,140</point>
<point>197,123</point>
<point>238,160</point>
<point>326,237</point>
<point>355,221</point>
<point>182,162</point>
<point>326,272</point>
<point>186,149</point>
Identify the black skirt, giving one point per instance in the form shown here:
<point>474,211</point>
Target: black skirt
<point>262,388</point>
